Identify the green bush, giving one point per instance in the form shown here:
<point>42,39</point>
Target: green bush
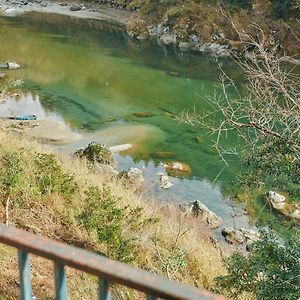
<point>102,215</point>
<point>281,9</point>
<point>50,177</point>
<point>270,271</point>
<point>276,164</point>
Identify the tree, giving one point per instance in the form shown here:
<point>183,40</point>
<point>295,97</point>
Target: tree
<point>265,115</point>
<point>270,271</point>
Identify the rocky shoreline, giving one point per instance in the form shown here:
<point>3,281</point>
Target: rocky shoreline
<point>134,25</point>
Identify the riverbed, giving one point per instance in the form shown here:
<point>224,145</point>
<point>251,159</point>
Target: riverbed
<point>112,89</point>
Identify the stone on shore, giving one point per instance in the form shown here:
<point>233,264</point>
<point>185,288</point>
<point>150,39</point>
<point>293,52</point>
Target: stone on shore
<point>97,153</point>
<point>164,180</point>
<point>239,236</point>
<point>13,12</point>
<point>280,204</point>
<point>75,7</point>
<point>10,65</point>
<point>198,209</point>
<point>133,176</point>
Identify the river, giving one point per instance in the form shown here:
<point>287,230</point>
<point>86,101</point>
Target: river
<point>93,77</point>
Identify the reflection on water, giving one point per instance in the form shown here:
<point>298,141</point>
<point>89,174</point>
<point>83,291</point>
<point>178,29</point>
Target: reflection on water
<point>91,75</point>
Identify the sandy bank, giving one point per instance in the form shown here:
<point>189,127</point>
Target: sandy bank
<point>45,131</point>
<point>108,14</point>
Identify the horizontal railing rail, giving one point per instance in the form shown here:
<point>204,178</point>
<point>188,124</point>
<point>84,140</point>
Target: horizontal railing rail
<point>107,270</point>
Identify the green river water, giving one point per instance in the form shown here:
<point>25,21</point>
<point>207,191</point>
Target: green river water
<point>92,76</point>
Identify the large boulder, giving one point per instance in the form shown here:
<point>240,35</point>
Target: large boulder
<point>280,204</point>
<point>97,153</point>
<point>198,209</point>
<point>240,236</point>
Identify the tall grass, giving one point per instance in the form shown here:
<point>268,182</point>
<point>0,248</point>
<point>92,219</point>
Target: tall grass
<point>62,197</point>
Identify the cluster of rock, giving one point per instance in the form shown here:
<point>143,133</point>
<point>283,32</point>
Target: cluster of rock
<point>199,210</point>
<point>165,36</point>
<point>240,236</point>
<point>280,204</point>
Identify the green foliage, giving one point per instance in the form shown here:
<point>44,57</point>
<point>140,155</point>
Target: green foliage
<point>97,153</point>
<point>276,164</point>
<point>102,215</point>
<point>28,176</point>
<point>246,4</point>
<point>270,271</point>
<point>50,177</point>
<point>11,173</point>
<point>281,9</point>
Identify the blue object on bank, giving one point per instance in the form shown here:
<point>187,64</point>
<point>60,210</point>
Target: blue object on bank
<point>25,118</point>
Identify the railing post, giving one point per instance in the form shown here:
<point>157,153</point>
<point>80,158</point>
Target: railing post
<point>60,282</point>
<point>24,270</point>
<point>104,290</point>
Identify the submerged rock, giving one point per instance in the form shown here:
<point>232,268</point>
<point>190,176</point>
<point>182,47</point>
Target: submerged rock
<point>142,114</point>
<point>240,236</point>
<point>162,154</point>
<point>97,153</point>
<point>177,169</point>
<point>198,139</point>
<point>198,209</point>
<point>279,203</point>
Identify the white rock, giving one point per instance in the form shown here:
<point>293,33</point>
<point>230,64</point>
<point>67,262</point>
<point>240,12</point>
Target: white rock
<point>200,210</point>
<point>13,65</point>
<point>275,197</point>
<point>13,12</point>
<point>165,182</point>
<point>119,148</point>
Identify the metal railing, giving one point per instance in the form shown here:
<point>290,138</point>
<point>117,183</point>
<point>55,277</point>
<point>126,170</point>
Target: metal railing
<point>108,271</point>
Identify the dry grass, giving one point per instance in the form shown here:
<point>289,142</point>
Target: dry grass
<point>176,246</point>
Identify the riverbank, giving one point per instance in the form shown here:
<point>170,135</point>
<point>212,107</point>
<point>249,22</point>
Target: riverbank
<point>65,198</point>
<point>15,8</point>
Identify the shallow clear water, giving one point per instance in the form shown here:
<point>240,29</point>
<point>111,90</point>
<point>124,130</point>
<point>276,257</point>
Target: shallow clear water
<point>92,76</point>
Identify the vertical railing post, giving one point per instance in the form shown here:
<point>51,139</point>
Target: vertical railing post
<point>24,270</point>
<point>60,282</point>
<point>104,289</point>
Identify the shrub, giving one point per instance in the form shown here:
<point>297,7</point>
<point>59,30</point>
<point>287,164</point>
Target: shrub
<point>50,177</point>
<point>270,271</point>
<point>102,216</point>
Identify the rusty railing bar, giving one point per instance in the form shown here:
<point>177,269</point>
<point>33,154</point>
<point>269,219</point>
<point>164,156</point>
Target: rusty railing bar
<point>60,282</point>
<point>25,278</point>
<point>104,289</point>
<point>102,267</point>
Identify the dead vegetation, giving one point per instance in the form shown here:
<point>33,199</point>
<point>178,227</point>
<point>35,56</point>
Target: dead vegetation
<point>62,198</point>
